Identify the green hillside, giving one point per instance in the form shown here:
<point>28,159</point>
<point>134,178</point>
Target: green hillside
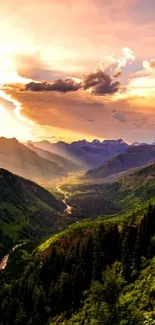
<point>26,210</point>
<point>100,273</point>
<point>131,192</point>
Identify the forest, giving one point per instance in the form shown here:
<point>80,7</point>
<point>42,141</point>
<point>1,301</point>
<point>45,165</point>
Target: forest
<point>95,272</point>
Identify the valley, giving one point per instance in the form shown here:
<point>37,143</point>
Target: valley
<point>66,241</point>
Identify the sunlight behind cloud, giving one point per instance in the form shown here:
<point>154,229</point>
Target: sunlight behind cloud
<point>10,127</point>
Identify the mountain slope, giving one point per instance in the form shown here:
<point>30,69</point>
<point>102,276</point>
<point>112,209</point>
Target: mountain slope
<point>60,148</point>
<point>27,210</point>
<point>19,159</point>
<point>133,157</point>
<point>67,164</point>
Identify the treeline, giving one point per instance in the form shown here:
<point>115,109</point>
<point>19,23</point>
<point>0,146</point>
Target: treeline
<point>88,276</point>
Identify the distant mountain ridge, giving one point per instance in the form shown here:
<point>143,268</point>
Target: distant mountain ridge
<point>89,154</point>
<point>142,144</point>
<point>42,161</point>
<point>20,160</point>
<point>134,156</point>
<point>67,164</point>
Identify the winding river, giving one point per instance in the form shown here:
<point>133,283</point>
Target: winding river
<point>68,207</point>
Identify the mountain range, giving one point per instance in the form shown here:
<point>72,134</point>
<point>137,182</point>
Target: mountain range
<point>88,154</point>
<point>45,161</point>
<point>134,156</point>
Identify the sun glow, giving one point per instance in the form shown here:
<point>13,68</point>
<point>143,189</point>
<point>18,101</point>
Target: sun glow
<point>12,123</point>
<point>11,127</point>
<point>7,77</point>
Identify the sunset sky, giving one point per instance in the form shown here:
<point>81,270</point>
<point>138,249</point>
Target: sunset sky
<point>77,69</point>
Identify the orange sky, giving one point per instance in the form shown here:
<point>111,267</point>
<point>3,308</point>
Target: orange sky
<point>51,40</point>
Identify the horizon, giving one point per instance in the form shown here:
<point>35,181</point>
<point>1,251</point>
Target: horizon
<point>79,140</point>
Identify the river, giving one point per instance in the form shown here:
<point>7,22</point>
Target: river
<point>4,260</point>
<point>68,207</point>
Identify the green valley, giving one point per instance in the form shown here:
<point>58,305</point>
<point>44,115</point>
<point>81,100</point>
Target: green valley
<point>94,266</point>
<point>132,191</point>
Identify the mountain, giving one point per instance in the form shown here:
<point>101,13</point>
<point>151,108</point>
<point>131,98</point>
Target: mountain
<point>134,144</point>
<point>140,144</point>
<point>62,149</point>
<point>67,164</point>
<point>19,159</point>
<point>89,154</point>
<point>127,193</point>
<point>27,210</point>
<point>133,157</point>
<point>99,273</point>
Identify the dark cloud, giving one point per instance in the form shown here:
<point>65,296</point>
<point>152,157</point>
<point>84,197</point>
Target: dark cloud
<point>119,116</point>
<point>60,85</point>
<point>117,74</point>
<point>100,83</point>
<point>142,122</point>
<point>90,120</point>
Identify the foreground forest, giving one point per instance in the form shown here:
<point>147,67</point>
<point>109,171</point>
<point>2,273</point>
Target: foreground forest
<point>99,273</point>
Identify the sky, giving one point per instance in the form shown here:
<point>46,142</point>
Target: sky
<point>74,70</point>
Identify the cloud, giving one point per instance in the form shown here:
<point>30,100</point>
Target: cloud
<point>90,120</point>
<point>54,114</point>
<point>33,67</point>
<point>100,83</point>
<point>119,116</point>
<point>128,57</point>
<point>62,86</point>
<point>117,73</point>
<point>149,64</point>
<point>148,70</point>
